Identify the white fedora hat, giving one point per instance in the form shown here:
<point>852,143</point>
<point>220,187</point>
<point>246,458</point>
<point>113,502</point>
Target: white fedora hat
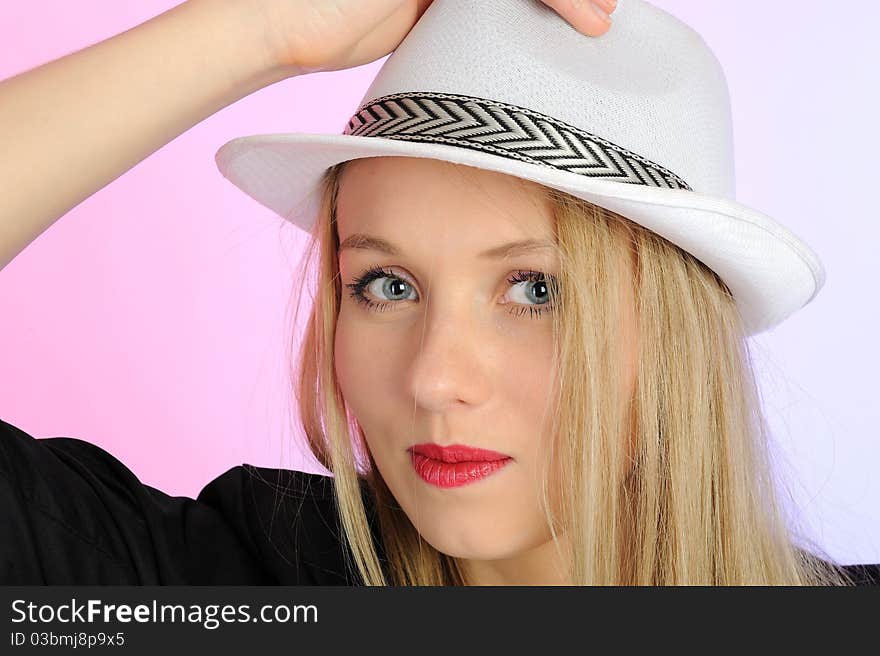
<point>637,121</point>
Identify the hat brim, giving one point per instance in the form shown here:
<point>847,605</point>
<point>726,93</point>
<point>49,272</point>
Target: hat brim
<point>770,271</point>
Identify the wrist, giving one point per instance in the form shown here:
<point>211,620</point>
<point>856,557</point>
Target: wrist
<point>241,33</point>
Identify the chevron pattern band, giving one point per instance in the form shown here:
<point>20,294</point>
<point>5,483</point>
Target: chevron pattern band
<point>505,130</point>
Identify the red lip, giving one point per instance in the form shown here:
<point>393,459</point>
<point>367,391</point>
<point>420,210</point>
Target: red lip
<point>455,465</point>
<point>456,453</point>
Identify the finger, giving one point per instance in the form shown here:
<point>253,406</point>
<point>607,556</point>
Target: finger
<point>585,16</point>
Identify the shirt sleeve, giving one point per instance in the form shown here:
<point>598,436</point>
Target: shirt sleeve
<point>72,514</point>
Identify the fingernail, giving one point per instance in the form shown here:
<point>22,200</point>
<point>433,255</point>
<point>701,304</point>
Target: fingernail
<point>600,13</point>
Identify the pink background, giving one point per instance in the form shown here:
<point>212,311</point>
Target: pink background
<point>151,319</point>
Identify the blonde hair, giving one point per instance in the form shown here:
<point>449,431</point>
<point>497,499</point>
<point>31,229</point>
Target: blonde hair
<point>688,499</point>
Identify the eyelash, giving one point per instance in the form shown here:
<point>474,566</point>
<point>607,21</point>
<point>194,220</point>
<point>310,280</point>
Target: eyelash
<point>375,272</point>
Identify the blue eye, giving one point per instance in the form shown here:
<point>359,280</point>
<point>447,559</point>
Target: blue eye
<point>532,284</point>
<point>535,286</point>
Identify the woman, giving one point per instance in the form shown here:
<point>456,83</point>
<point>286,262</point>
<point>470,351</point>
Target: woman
<point>580,412</point>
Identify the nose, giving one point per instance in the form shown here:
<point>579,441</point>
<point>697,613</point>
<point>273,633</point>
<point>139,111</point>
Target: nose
<point>450,363</point>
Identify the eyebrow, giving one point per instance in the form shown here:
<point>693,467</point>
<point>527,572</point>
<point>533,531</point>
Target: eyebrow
<point>362,241</point>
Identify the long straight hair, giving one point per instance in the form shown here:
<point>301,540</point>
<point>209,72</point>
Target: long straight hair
<point>673,486</point>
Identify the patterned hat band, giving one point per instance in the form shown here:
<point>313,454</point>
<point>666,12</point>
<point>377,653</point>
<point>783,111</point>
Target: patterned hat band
<point>506,130</point>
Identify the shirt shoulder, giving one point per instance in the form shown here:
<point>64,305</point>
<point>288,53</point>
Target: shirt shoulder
<point>863,574</point>
<point>74,514</point>
<point>289,519</point>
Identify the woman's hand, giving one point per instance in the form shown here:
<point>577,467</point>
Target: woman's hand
<point>308,36</point>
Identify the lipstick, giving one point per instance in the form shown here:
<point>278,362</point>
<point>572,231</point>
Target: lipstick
<point>455,465</point>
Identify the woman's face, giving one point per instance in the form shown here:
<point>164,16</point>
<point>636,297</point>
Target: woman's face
<point>450,351</point>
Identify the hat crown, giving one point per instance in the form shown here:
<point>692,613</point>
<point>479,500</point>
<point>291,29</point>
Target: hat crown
<point>650,86</point>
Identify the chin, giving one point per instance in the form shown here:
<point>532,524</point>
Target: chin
<point>467,545</point>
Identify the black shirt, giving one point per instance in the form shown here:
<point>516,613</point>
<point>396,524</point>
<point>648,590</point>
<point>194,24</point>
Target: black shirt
<point>72,514</point>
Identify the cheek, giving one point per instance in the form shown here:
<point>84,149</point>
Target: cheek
<point>532,388</point>
<point>354,361</point>
<point>367,365</point>
<point>524,380</point>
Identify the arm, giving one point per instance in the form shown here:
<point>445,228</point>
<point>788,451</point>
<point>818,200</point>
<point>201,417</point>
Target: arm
<point>73,125</point>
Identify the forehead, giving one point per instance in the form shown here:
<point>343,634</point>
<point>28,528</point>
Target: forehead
<point>379,194</point>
